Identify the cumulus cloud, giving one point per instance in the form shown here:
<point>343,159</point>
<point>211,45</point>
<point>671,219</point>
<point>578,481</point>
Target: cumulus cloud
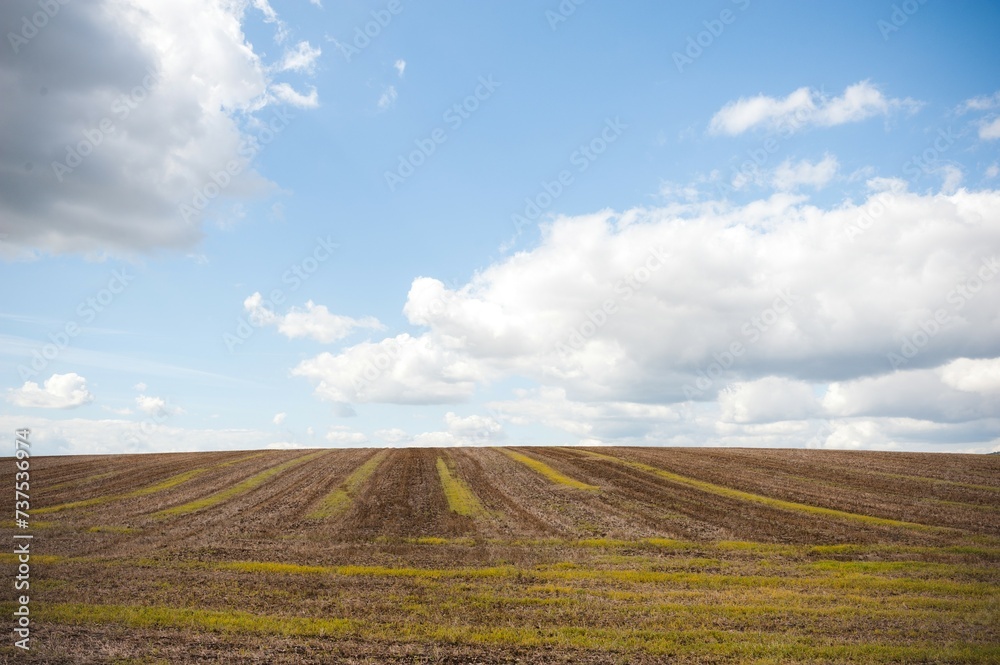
<point>943,394</point>
<point>400,66</point>
<point>102,148</point>
<point>60,391</point>
<point>396,370</point>
<point>315,321</point>
<point>156,406</point>
<point>974,376</point>
<point>279,418</point>
<point>666,305</point>
<point>596,421</point>
<point>767,400</point>
<point>806,107</point>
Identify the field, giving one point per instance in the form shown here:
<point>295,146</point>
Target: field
<point>528,555</point>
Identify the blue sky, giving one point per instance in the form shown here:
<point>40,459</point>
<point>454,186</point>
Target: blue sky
<point>296,224</point>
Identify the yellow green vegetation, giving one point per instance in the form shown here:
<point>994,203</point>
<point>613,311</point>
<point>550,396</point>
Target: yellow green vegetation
<point>339,499</point>
<point>172,481</point>
<point>111,529</point>
<point>705,642</point>
<point>547,471</point>
<point>766,500</point>
<point>237,489</point>
<point>461,498</point>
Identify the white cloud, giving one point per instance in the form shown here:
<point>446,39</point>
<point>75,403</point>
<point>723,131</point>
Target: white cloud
<point>951,178</point>
<point>289,95</point>
<point>993,171</point>
<point>140,387</point>
<point>84,436</point>
<point>943,395</point>
<point>343,436</point>
<point>768,400</point>
<point>990,130</point>
<point>594,421</point>
<point>103,146</point>
<point>976,376</point>
<point>302,58</point>
<point>271,16</point>
<point>399,370</point>
<point>982,103</point>
<point>279,418</point>
<point>156,406</point>
<point>593,312</point>
<point>315,321</point>
<point>60,391</point>
<point>388,98</point>
<point>789,175</point>
<point>474,430</point>
<point>805,107</point>
<point>400,66</point>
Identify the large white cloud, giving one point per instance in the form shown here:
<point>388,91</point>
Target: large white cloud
<point>60,391</point>
<point>101,148</point>
<point>776,287</point>
<point>805,107</point>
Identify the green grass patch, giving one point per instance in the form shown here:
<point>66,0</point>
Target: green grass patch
<point>340,498</point>
<point>460,496</point>
<point>547,471</point>
<point>237,489</point>
<point>172,481</point>
<point>767,500</point>
<point>112,529</point>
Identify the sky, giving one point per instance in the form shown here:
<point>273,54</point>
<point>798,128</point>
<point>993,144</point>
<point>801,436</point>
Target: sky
<point>233,224</point>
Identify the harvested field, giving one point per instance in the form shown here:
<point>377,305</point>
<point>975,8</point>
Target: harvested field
<point>528,555</point>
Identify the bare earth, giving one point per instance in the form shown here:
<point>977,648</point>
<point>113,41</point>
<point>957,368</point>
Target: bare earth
<point>530,555</point>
